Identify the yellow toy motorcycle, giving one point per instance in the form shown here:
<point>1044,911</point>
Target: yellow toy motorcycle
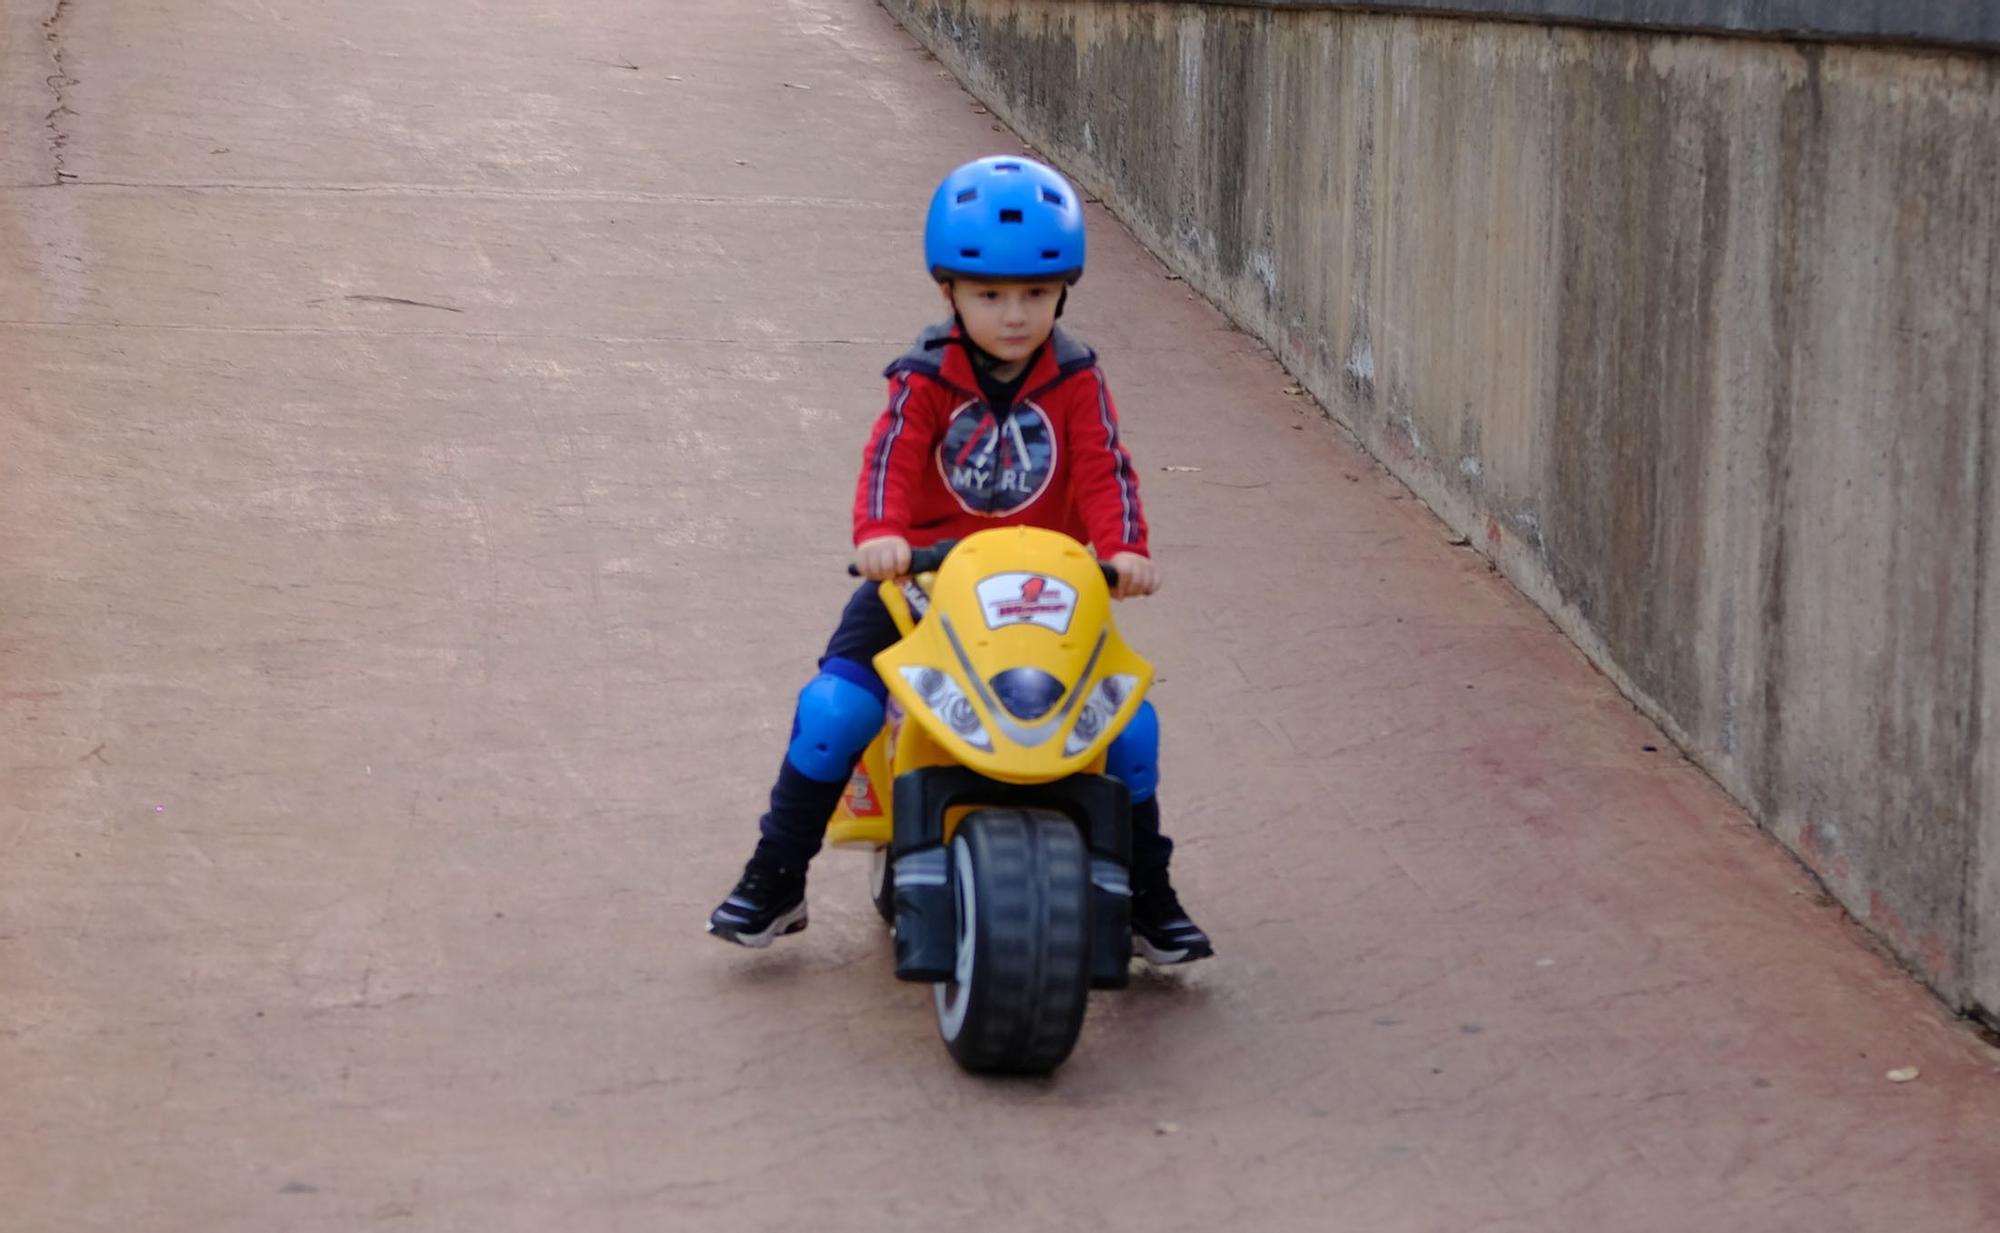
<point>1001,848</point>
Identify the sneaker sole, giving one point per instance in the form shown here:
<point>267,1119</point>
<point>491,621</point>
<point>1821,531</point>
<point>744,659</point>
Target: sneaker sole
<point>787,923</point>
<point>1168,958</point>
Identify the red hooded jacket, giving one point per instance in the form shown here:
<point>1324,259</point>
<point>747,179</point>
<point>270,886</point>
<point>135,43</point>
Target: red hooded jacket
<point>941,464</point>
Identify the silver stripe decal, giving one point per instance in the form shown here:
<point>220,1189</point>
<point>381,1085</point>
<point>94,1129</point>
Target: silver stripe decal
<point>925,868</point>
<point>1110,876</point>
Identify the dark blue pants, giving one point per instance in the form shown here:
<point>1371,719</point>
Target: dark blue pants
<point>802,804</point>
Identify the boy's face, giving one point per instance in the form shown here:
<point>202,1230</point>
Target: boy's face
<point>1008,319</point>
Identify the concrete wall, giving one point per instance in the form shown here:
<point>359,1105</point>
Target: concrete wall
<point>1694,336</point>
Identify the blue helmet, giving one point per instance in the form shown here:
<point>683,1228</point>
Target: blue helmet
<point>1004,217</point>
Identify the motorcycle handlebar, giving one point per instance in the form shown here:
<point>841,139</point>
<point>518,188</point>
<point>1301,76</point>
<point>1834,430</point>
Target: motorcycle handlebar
<point>930,560</point>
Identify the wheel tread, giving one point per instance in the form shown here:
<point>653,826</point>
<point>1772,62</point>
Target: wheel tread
<point>1034,883</point>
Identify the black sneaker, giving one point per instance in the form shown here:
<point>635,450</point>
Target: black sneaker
<point>1162,934</point>
<point>767,904</point>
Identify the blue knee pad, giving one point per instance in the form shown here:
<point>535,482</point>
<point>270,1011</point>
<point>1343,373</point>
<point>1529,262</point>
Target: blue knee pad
<point>1135,756</point>
<point>836,719</point>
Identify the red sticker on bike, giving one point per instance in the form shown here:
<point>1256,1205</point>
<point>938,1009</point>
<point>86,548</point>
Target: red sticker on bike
<point>861,800</point>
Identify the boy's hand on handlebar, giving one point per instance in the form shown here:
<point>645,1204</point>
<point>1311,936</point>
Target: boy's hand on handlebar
<point>883,558</point>
<point>1137,575</point>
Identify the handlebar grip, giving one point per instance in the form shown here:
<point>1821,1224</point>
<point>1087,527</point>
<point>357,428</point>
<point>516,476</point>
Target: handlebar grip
<point>922,560</point>
<point>930,560</point>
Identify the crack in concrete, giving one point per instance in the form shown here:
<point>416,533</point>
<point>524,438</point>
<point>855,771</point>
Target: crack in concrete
<point>59,83</point>
<point>481,335</point>
<point>733,201</point>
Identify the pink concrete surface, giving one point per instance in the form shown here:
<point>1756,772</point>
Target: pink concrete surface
<point>425,441</point>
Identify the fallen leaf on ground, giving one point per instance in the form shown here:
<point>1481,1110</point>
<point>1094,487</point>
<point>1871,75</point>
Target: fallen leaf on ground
<point>1295,390</point>
<point>793,85</point>
<point>1906,1074</point>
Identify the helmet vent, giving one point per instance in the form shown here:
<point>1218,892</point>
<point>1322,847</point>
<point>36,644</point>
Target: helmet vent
<point>969,194</point>
<point>1010,216</point>
<point>970,254</point>
<point>1050,254</point>
<point>1052,196</point>
<point>1006,166</point>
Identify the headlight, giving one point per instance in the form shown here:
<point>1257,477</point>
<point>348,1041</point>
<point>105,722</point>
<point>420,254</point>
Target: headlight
<point>949,703</point>
<point>1098,711</point>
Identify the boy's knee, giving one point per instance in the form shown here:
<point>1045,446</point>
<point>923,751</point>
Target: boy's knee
<point>1135,756</point>
<point>837,717</point>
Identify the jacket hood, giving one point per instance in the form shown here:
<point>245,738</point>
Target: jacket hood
<point>942,354</point>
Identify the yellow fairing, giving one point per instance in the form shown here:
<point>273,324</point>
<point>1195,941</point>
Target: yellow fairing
<point>1014,598</point>
<point>862,819</point>
<point>865,817</point>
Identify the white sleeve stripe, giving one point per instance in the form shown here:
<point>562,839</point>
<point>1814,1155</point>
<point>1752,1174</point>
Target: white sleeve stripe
<point>1126,499</point>
<point>878,495</point>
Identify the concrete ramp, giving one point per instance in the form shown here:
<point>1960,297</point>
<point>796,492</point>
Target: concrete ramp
<point>426,435</point>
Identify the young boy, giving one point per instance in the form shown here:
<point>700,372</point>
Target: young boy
<point>995,419</point>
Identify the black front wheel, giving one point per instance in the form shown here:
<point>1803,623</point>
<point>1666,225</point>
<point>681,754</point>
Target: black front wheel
<point>1021,979</point>
<point>882,884</point>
